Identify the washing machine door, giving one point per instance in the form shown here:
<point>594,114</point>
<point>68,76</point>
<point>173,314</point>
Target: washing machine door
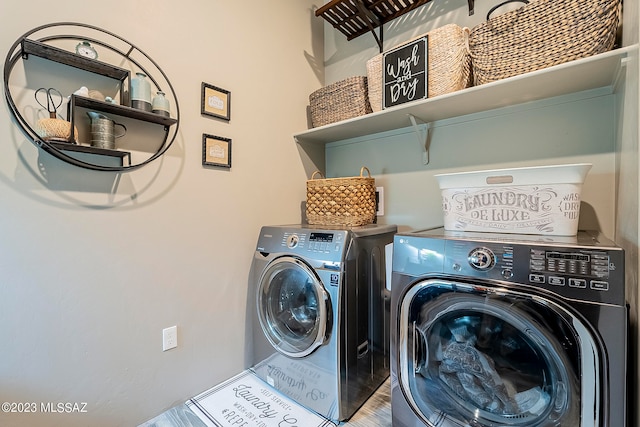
<point>293,307</point>
<point>477,355</point>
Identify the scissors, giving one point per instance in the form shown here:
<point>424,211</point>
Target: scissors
<point>52,104</point>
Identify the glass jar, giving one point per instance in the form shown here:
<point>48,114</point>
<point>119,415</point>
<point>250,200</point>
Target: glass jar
<point>160,104</point>
<point>141,92</point>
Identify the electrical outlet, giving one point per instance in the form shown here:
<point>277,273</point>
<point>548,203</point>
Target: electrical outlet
<point>169,338</point>
<point>380,201</point>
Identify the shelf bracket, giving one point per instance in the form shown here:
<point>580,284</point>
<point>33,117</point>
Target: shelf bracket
<point>423,135</point>
<point>371,19</point>
<point>620,70</point>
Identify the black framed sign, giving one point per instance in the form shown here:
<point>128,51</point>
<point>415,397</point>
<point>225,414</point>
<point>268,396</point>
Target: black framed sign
<point>405,73</point>
<point>216,151</point>
<point>215,102</point>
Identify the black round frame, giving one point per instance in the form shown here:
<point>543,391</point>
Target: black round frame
<point>15,54</point>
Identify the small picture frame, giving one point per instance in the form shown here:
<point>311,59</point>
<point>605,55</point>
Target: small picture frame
<point>216,102</point>
<point>216,151</point>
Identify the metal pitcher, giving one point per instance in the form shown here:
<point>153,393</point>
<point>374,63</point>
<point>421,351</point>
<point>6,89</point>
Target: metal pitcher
<point>103,134</point>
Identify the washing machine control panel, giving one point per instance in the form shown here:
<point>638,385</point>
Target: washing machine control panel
<point>313,243</point>
<point>325,242</point>
<point>577,272</point>
<point>576,269</point>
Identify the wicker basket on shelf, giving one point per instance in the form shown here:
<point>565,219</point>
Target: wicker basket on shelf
<point>338,101</point>
<point>540,34</point>
<point>341,201</point>
<point>449,64</point>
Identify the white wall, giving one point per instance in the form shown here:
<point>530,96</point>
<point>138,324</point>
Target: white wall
<point>90,277</point>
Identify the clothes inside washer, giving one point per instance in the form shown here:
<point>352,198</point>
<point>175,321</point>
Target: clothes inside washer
<point>470,372</point>
<point>469,352</point>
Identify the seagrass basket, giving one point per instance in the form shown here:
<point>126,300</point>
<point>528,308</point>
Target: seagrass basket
<point>541,34</point>
<point>341,201</point>
<point>449,65</point>
<point>338,101</point>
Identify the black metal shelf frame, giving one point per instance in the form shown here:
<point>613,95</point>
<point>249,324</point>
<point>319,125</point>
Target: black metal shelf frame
<point>354,18</point>
<point>30,44</point>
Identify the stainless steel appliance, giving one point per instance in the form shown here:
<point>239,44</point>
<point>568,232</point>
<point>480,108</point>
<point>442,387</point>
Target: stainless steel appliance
<point>507,330</point>
<point>321,329</point>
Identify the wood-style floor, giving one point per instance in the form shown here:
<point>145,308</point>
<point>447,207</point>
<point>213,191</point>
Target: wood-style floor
<point>376,411</point>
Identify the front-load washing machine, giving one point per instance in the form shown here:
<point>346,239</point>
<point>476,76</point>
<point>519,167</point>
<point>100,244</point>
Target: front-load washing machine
<point>507,330</point>
<point>321,329</point>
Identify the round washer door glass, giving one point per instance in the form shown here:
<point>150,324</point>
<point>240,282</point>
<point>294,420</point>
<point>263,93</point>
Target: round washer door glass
<point>479,356</point>
<point>293,307</point>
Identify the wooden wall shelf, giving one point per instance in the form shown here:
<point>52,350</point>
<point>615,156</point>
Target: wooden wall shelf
<point>52,53</point>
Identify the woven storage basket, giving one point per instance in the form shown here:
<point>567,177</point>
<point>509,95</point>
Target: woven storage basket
<point>338,101</point>
<point>341,201</point>
<point>541,34</point>
<point>449,64</point>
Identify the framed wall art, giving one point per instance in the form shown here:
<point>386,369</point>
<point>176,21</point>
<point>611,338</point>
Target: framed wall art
<point>216,151</point>
<point>216,102</point>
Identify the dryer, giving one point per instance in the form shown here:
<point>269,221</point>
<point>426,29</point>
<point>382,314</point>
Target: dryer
<point>321,324</point>
<point>507,330</point>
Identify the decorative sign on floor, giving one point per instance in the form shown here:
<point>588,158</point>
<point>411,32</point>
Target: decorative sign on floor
<point>247,401</point>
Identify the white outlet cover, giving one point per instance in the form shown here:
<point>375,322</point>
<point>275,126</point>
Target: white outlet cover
<point>169,338</point>
<point>380,194</point>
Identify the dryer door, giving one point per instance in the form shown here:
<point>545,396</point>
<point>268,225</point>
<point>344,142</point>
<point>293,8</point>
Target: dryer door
<point>293,307</point>
<point>477,355</point>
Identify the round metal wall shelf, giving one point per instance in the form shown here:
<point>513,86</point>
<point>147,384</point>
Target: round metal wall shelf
<point>117,60</point>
